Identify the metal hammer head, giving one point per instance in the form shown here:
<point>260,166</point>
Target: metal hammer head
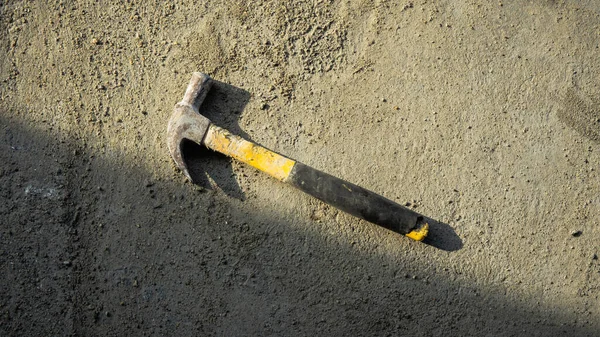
<point>186,121</point>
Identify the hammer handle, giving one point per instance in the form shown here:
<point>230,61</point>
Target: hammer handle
<point>334,191</point>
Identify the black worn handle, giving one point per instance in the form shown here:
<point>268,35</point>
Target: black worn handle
<point>354,199</point>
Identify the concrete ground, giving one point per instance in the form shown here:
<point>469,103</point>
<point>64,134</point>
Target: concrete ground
<point>482,116</point>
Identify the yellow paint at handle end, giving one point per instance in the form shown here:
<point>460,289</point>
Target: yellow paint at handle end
<point>420,233</point>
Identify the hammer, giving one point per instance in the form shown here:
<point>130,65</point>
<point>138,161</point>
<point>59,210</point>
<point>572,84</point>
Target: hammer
<point>187,123</point>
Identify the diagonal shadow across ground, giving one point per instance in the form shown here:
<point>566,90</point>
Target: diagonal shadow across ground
<point>95,246</point>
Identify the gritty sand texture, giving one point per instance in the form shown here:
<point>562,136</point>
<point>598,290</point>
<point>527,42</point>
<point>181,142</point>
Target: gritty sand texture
<point>484,116</point>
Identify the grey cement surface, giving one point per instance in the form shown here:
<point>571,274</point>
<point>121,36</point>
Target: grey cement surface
<point>483,116</point>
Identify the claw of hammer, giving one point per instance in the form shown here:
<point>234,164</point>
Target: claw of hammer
<point>186,121</point>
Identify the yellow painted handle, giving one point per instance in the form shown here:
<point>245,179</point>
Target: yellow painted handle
<point>221,140</point>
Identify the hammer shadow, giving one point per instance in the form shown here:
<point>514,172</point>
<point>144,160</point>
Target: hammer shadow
<point>211,170</point>
<point>442,236</point>
<point>223,106</point>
